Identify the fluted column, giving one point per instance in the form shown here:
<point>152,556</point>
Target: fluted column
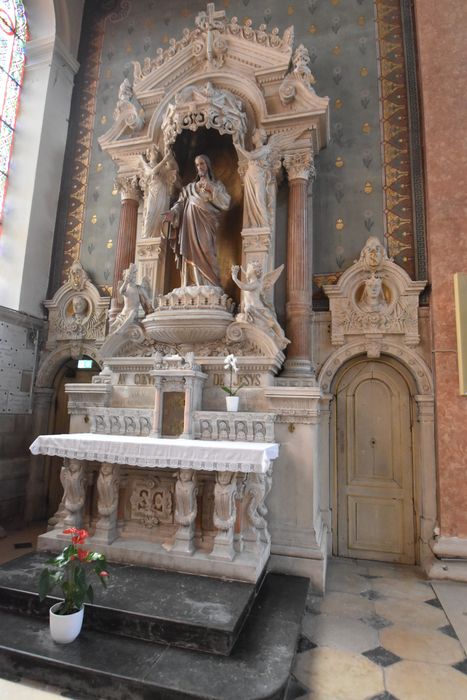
<point>126,236</point>
<point>299,166</point>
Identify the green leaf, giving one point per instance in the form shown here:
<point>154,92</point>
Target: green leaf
<point>96,556</point>
<point>90,593</point>
<point>227,390</point>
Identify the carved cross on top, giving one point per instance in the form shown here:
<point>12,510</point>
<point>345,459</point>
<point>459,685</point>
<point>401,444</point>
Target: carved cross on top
<point>212,18</point>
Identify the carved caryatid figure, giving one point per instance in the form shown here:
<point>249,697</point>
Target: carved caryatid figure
<point>225,514</point>
<point>107,489</point>
<point>158,175</point>
<point>255,308</point>
<point>373,299</point>
<point>186,509</point>
<point>256,181</point>
<point>185,498</point>
<point>194,220</point>
<point>74,495</point>
<point>133,295</point>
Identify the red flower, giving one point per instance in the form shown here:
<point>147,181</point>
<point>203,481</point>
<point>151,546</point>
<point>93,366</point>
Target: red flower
<point>78,536</point>
<point>82,554</point>
<point>103,573</point>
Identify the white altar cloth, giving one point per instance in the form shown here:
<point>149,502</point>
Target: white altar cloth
<point>172,453</point>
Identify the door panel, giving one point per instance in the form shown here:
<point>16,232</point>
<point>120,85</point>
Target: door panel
<point>374,464</point>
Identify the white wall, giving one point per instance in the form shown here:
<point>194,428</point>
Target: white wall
<point>38,151</point>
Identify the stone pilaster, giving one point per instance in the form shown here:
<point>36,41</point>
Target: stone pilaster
<point>299,166</point>
<point>126,237</point>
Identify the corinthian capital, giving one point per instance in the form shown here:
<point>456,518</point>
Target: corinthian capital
<point>299,165</point>
<point>128,187</point>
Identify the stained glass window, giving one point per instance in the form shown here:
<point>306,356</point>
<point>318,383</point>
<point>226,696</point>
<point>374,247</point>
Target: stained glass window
<point>13,36</point>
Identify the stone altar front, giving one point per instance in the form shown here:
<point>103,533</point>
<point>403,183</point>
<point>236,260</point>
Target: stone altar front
<point>186,505</point>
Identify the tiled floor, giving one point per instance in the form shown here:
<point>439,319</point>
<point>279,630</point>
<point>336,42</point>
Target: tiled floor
<point>381,632</point>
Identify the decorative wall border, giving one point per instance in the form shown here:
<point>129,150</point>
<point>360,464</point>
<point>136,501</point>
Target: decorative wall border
<point>72,204</point>
<point>415,135</point>
<point>397,178</point>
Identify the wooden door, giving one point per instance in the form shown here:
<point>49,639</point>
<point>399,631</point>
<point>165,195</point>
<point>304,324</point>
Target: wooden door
<point>375,513</point>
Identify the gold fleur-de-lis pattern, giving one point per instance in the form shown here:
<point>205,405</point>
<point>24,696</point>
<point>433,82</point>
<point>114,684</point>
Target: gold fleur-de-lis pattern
<point>356,56</point>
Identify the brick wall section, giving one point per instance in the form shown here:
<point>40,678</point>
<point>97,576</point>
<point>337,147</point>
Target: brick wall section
<point>442,58</point>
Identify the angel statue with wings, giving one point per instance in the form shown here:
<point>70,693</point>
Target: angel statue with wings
<point>133,295</point>
<point>255,308</point>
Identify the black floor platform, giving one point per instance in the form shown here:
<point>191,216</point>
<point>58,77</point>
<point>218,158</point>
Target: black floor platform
<point>193,612</point>
<point>109,666</point>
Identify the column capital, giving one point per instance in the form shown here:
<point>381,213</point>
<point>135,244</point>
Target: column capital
<point>128,187</point>
<point>299,165</point>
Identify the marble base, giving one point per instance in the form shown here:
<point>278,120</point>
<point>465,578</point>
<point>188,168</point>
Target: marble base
<point>109,666</point>
<point>189,612</point>
<point>244,567</point>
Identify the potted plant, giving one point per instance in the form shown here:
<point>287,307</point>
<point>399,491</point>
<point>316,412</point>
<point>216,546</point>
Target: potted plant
<point>230,363</point>
<point>70,574</point>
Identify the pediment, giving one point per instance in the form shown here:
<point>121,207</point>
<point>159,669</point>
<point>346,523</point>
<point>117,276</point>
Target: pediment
<point>77,311</point>
<point>374,298</point>
<point>257,67</point>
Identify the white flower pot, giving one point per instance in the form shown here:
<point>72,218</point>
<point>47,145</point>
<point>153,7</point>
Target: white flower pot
<point>232,402</point>
<point>65,628</point>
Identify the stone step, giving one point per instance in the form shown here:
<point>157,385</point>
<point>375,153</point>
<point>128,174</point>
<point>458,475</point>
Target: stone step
<point>194,612</point>
<point>111,667</point>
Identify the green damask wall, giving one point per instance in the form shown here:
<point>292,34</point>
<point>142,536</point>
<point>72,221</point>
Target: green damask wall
<point>341,36</point>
